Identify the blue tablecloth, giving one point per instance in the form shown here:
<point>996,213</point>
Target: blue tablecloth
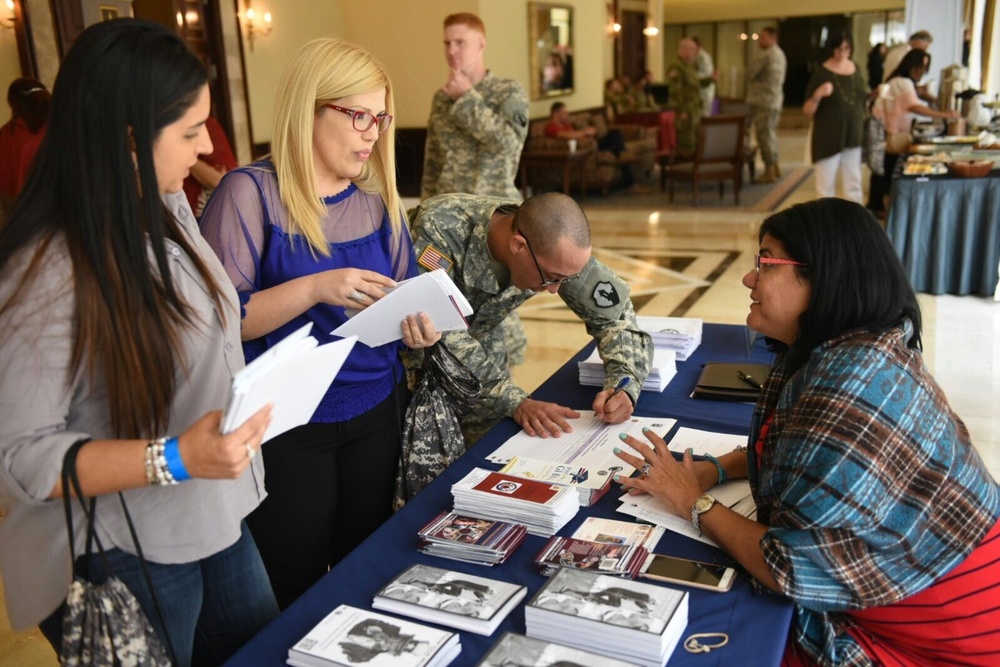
<point>946,231</point>
<point>757,625</point>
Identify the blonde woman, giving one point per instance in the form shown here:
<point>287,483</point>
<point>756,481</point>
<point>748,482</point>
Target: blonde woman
<point>316,228</point>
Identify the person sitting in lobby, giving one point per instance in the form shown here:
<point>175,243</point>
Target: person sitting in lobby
<point>560,127</point>
<point>875,514</point>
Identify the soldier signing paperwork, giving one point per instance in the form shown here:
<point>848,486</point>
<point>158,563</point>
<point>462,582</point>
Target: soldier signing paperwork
<point>500,254</point>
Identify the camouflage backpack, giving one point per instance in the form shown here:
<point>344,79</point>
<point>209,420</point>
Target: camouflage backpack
<point>432,434</point>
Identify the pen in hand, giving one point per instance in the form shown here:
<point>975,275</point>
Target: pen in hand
<point>621,385</point>
<point>748,379</point>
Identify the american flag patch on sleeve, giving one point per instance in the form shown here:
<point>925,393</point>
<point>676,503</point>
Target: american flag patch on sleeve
<point>431,259</point>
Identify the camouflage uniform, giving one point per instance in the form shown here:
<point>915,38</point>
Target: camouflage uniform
<point>765,78</point>
<point>685,99</point>
<point>474,143</point>
<point>455,226</point>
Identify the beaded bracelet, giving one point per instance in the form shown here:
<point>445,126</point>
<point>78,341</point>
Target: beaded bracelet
<point>718,466</point>
<point>157,471</point>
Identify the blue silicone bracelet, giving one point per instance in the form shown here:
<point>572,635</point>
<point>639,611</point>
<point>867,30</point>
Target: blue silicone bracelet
<point>718,466</point>
<point>172,453</point>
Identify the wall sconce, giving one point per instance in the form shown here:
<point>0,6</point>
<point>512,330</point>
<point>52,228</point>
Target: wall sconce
<point>256,24</point>
<point>651,31</point>
<point>9,18</point>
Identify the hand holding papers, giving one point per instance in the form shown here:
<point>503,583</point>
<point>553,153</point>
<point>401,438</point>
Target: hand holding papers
<point>294,375</point>
<point>433,293</point>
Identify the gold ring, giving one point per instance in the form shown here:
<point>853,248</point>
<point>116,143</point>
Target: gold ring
<point>251,452</point>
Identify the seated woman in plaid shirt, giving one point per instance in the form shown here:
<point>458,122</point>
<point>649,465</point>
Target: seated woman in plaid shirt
<point>875,514</point>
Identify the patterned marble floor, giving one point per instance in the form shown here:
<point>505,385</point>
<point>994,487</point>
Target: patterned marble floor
<point>686,261</point>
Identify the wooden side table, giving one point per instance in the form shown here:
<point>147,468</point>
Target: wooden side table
<point>556,158</point>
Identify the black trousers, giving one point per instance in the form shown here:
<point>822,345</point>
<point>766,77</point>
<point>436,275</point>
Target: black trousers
<point>614,141</point>
<point>880,186</point>
<point>329,487</point>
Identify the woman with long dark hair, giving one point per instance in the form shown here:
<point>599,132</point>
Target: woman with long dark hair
<point>117,323</point>
<point>875,514</point>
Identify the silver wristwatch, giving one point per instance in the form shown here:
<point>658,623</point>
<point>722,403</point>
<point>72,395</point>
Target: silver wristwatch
<point>702,505</point>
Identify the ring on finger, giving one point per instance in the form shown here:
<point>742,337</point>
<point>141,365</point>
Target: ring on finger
<point>251,452</point>
<point>644,470</point>
<point>357,295</point>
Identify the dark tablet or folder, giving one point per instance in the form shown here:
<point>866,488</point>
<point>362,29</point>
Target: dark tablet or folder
<point>731,382</point>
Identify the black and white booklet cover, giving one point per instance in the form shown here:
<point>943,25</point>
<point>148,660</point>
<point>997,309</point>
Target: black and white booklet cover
<point>621,618</point>
<point>349,636</point>
<point>458,600</point>
<point>519,651</point>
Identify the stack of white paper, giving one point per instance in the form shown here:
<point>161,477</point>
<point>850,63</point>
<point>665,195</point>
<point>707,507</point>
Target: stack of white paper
<point>349,636</point>
<point>624,619</point>
<point>433,293</point>
<point>681,334</point>
<point>515,649</point>
<point>294,375</point>
<point>661,371</point>
<point>458,600</point>
<point>542,508</point>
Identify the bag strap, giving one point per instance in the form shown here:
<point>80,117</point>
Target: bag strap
<point>70,479</point>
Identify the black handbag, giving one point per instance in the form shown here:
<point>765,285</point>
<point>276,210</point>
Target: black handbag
<point>432,432</point>
<point>103,623</point>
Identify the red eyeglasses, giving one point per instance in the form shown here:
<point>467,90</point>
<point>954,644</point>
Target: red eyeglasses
<point>363,120</point>
<point>758,260</point>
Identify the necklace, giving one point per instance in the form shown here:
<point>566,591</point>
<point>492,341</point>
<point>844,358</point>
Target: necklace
<point>846,91</point>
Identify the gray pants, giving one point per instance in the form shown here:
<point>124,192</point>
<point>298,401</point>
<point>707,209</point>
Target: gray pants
<point>765,125</point>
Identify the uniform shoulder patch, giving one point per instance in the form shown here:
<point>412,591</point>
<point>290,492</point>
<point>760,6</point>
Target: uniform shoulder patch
<point>605,295</point>
<point>432,259</point>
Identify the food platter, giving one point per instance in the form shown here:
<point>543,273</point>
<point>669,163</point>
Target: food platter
<point>969,139</point>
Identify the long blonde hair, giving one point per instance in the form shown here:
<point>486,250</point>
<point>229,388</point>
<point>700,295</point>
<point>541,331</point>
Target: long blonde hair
<point>322,71</point>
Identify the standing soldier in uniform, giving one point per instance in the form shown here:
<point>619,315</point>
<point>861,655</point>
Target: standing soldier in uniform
<point>500,254</point>
<point>685,95</point>
<point>765,78</point>
<point>475,134</point>
<point>478,121</point>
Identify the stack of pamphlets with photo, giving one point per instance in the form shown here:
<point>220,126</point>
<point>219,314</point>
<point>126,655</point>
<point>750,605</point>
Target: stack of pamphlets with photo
<point>471,540</point>
<point>626,620</point>
<point>433,293</point>
<point>589,487</point>
<point>349,636</point>
<point>542,508</point>
<point>680,334</point>
<point>293,375</point>
<point>524,651</point>
<point>616,548</point>
<point>455,599</point>
<point>661,371</point>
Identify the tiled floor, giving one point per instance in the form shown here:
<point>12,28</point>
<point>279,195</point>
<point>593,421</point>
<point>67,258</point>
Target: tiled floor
<point>692,261</point>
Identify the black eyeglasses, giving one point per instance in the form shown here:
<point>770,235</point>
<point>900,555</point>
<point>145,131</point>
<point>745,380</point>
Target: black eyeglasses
<point>363,120</point>
<point>545,281</point>
<point>758,260</point>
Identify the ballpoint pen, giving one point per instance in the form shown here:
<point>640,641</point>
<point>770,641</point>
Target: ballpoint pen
<point>748,379</point>
<point>621,385</point>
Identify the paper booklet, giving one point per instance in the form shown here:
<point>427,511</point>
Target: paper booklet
<point>612,531</point>
<point>682,334</point>
<point>617,560</point>
<point>433,293</point>
<point>458,600</point>
<point>542,508</point>
<point>590,486</point>
<point>470,539</point>
<point>523,651</point>
<point>349,636</point>
<point>294,375</point>
<point>625,619</point>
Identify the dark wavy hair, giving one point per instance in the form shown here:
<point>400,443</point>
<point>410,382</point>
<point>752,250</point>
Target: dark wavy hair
<point>29,100</point>
<point>120,84</point>
<point>913,59</point>
<point>857,281</point>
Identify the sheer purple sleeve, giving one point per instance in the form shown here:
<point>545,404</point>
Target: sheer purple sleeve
<point>404,262</point>
<point>235,223</point>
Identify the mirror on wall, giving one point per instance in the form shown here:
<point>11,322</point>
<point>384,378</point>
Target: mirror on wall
<point>550,50</point>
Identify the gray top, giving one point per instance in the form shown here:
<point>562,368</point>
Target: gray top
<point>44,413</point>
<point>766,78</point>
